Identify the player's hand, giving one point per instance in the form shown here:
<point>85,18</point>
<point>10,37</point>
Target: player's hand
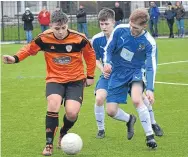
<point>107,68</point>
<point>8,59</point>
<point>150,96</point>
<point>106,75</point>
<point>89,82</point>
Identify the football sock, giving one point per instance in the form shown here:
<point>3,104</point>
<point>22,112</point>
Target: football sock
<point>145,119</point>
<point>51,126</point>
<point>99,116</point>
<point>122,115</point>
<point>150,109</point>
<point>67,124</point>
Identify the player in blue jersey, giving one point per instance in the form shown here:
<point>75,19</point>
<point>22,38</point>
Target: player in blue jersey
<point>128,49</point>
<point>106,19</point>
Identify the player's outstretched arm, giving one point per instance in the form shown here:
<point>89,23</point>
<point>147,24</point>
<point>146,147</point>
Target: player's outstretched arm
<point>7,59</point>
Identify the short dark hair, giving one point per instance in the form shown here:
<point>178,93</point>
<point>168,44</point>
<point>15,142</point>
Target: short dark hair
<point>59,16</point>
<point>105,14</point>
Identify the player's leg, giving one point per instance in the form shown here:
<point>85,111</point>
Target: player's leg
<point>156,128</point>
<point>137,99</point>
<point>54,92</point>
<point>116,96</point>
<point>73,101</point>
<point>99,112</point>
<point>100,97</point>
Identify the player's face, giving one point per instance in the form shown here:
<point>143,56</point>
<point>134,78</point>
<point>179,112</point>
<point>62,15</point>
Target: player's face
<point>59,30</point>
<point>136,30</point>
<point>107,26</point>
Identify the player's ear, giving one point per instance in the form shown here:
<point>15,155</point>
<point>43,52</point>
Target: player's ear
<point>145,26</point>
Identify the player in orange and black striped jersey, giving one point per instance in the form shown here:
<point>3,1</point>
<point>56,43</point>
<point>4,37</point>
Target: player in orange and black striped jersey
<point>63,51</point>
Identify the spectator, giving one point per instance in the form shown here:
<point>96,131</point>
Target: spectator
<point>180,12</point>
<point>154,16</point>
<point>81,21</point>
<point>27,17</point>
<point>169,15</point>
<point>118,14</point>
<point>44,19</point>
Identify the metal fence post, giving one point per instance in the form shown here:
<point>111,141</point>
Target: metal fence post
<point>18,25</point>
<point>2,24</point>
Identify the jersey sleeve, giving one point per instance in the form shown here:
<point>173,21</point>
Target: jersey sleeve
<point>90,58</point>
<point>95,45</point>
<point>151,65</point>
<point>30,49</point>
<point>110,46</point>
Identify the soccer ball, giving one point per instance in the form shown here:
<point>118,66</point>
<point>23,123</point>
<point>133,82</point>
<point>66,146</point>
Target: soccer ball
<point>71,143</point>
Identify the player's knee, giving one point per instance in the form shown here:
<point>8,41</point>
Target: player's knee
<point>100,100</point>
<point>72,115</point>
<point>111,112</point>
<point>137,101</point>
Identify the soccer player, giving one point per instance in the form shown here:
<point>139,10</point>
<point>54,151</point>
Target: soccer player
<point>63,50</point>
<point>106,22</point>
<point>106,19</point>
<point>130,48</point>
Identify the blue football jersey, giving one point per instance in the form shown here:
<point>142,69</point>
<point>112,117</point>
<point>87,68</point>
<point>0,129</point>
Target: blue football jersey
<point>99,42</point>
<point>125,51</point>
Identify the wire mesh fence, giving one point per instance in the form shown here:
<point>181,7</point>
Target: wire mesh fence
<point>12,25</point>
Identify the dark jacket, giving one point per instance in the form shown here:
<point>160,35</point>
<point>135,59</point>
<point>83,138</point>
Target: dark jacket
<point>81,16</point>
<point>118,14</point>
<point>180,12</point>
<point>169,13</point>
<point>27,17</point>
<point>154,12</point>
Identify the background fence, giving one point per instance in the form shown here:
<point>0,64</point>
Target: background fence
<point>12,25</point>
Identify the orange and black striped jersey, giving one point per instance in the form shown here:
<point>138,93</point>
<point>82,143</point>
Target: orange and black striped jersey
<point>63,57</point>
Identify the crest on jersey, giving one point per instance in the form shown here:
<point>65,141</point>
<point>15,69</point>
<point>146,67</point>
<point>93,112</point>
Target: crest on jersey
<point>69,48</point>
<point>141,47</point>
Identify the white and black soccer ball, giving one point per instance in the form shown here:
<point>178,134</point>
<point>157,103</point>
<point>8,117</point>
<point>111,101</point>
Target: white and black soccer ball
<point>71,143</point>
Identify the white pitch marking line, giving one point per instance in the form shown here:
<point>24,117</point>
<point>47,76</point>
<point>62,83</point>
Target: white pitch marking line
<point>173,62</point>
<point>171,83</point>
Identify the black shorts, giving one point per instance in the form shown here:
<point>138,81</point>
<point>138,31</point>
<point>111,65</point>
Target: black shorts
<point>68,91</point>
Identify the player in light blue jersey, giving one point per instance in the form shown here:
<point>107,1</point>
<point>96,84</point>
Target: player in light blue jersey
<point>106,19</point>
<point>128,49</point>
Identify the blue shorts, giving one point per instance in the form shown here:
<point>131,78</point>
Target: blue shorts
<point>102,83</point>
<point>119,94</point>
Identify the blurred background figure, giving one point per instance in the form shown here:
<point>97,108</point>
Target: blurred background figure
<point>44,19</point>
<point>82,21</point>
<point>169,15</point>
<point>154,16</point>
<point>27,17</point>
<point>118,14</point>
<point>180,13</point>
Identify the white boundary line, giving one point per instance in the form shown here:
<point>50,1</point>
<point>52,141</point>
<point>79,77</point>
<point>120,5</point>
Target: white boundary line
<point>171,83</point>
<point>173,62</point>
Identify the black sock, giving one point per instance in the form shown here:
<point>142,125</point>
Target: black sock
<point>52,122</point>
<point>66,126</point>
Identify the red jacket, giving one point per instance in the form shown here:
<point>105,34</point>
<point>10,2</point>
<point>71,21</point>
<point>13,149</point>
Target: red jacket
<point>44,18</point>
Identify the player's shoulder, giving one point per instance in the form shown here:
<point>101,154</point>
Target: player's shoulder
<point>149,38</point>
<point>98,36</point>
<point>77,33</point>
<point>122,26</point>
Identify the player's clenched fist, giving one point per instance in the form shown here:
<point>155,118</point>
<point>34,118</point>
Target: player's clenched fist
<point>8,59</point>
<point>107,68</point>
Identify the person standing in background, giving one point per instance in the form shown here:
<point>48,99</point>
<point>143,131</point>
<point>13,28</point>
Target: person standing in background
<point>27,17</point>
<point>82,21</point>
<point>154,16</point>
<point>118,14</point>
<point>44,19</point>
<point>180,13</point>
<point>169,15</point>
